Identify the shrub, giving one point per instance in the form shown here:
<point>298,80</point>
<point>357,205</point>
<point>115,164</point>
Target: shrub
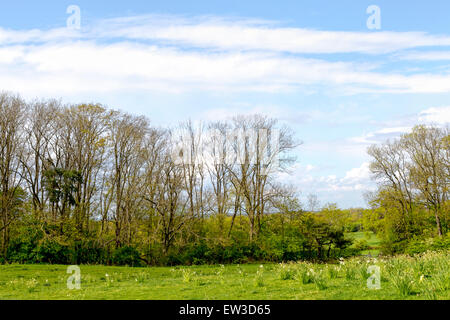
<point>22,251</point>
<point>361,245</point>
<point>418,245</point>
<point>51,251</point>
<point>23,247</point>
<point>127,256</point>
<point>89,252</point>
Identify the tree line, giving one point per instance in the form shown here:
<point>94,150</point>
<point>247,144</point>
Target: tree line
<point>413,175</point>
<point>84,176</point>
<point>86,184</point>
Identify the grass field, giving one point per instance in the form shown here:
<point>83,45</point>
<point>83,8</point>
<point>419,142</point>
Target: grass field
<point>371,239</point>
<point>423,277</point>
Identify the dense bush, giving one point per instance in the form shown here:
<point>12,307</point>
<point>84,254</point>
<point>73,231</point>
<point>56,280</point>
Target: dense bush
<point>51,251</point>
<point>127,256</point>
<point>204,253</point>
<point>24,243</point>
<point>301,237</point>
<point>90,252</point>
<point>418,245</point>
<point>22,251</point>
<point>32,247</point>
<point>269,250</point>
<point>361,244</point>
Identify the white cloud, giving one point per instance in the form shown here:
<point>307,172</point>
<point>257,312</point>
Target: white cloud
<point>358,175</point>
<point>155,53</point>
<point>381,135</point>
<point>439,115</point>
<point>351,185</point>
<point>89,66</point>
<point>358,179</point>
<point>355,179</point>
<point>302,176</point>
<point>426,56</point>
<point>429,116</point>
<point>224,33</point>
<point>14,37</point>
<point>250,34</point>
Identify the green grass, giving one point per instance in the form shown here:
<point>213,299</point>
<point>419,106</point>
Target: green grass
<point>422,277</point>
<point>371,238</point>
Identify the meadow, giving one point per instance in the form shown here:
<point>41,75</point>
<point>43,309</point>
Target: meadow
<point>424,276</point>
<point>369,238</point>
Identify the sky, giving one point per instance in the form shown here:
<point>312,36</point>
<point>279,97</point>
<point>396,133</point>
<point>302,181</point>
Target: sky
<point>341,76</point>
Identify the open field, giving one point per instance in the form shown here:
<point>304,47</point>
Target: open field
<point>371,239</point>
<point>422,277</point>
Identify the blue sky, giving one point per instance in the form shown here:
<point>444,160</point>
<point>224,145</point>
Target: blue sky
<point>313,64</point>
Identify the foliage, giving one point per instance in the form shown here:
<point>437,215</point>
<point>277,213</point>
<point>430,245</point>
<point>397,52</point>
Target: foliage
<point>52,251</point>
<point>419,245</point>
<point>412,198</point>
<point>96,186</point>
<point>126,256</point>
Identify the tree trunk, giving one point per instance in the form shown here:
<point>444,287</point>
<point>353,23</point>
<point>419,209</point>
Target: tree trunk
<point>438,222</point>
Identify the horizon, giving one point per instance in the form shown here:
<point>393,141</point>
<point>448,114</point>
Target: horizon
<point>173,62</point>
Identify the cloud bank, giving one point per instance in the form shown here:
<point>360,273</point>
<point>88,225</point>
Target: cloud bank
<point>179,54</point>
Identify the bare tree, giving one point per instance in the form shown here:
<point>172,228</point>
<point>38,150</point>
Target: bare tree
<point>87,151</point>
<point>39,132</point>
<point>127,135</point>
<point>257,161</point>
<point>313,202</point>
<point>219,178</point>
<point>13,113</point>
<point>391,169</point>
<point>169,198</point>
